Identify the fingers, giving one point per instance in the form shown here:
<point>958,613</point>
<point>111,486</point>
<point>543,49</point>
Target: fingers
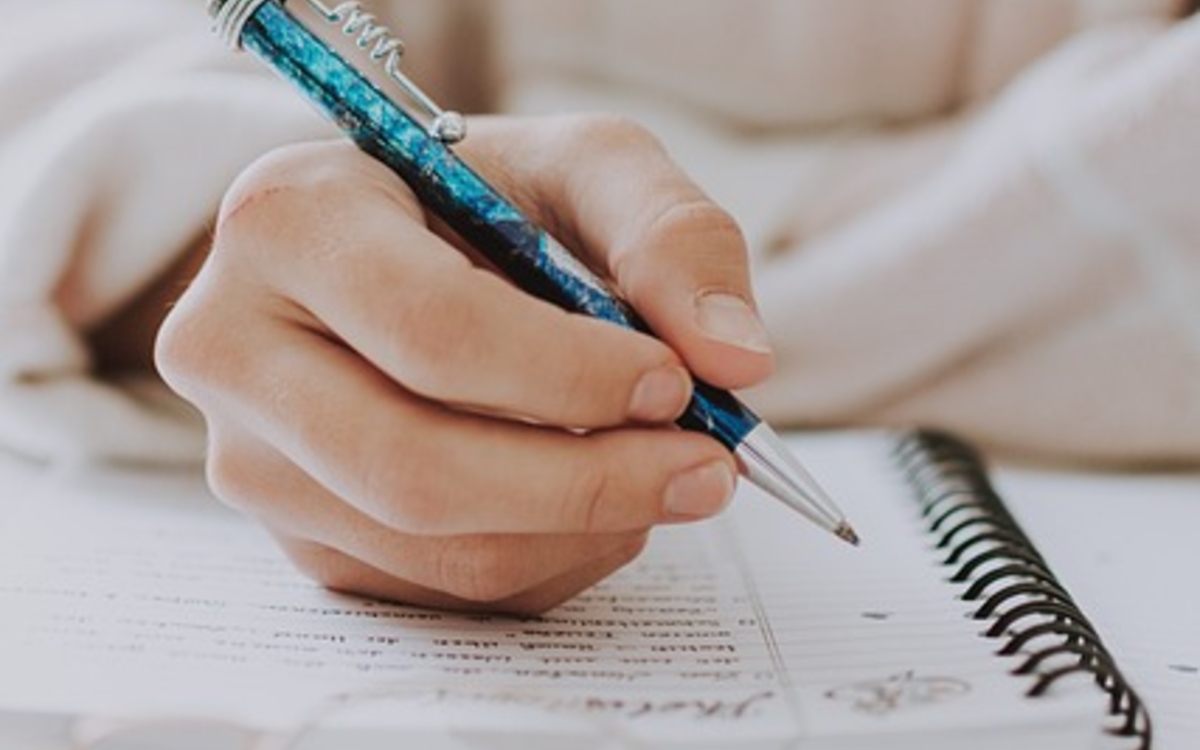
<point>405,301</point>
<point>342,572</point>
<point>608,189</point>
<point>423,469</point>
<point>513,572</point>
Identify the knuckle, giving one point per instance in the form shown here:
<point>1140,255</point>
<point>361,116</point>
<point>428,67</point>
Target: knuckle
<point>607,131</point>
<point>270,175</point>
<point>480,570</point>
<point>680,233</point>
<point>175,348</point>
<point>191,345</point>
<point>587,504</point>
<point>284,170</point>
<point>279,202</point>
<point>697,216</point>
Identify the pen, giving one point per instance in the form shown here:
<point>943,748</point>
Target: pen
<point>421,155</point>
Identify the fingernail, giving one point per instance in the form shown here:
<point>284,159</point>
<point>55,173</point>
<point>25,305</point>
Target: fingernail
<point>729,319</point>
<point>699,492</point>
<point>661,394</point>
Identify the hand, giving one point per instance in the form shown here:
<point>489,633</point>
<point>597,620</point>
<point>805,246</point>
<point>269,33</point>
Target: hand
<point>411,426</point>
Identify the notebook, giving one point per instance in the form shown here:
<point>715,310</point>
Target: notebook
<point>138,613</point>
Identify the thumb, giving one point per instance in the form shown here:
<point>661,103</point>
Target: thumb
<point>609,191</point>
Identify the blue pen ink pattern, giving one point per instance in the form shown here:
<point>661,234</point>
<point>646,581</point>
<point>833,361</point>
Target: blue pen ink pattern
<point>456,193</point>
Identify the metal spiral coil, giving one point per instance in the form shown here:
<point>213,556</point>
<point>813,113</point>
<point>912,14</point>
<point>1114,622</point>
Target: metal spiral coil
<point>385,48</point>
<point>381,46</point>
<point>230,17</point>
<point>1009,580</point>
<point>364,25</point>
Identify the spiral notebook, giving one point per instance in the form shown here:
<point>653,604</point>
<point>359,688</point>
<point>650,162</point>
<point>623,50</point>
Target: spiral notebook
<point>139,614</point>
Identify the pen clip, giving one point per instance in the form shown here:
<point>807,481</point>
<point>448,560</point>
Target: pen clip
<point>381,46</point>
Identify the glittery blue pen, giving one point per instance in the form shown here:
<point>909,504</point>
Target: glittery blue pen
<point>421,156</point>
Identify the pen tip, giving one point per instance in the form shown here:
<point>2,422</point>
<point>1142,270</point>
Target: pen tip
<point>846,532</point>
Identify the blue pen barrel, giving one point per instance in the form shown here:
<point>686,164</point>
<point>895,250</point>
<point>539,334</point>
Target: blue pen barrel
<point>488,221</point>
<point>449,188</point>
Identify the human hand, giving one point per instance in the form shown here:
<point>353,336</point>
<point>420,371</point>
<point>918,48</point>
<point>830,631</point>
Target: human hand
<point>409,425</point>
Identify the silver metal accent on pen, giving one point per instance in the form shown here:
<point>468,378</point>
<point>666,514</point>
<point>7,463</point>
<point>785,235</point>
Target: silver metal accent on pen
<point>383,48</point>
<point>768,463</point>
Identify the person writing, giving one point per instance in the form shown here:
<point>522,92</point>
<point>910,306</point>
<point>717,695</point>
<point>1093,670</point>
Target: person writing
<point>391,410</point>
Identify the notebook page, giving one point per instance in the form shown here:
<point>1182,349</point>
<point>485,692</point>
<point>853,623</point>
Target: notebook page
<point>137,597</point>
<point>111,598</point>
<point>1126,548</point>
<point>874,641</point>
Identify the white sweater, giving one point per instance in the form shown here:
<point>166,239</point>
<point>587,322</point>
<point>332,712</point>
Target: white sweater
<point>976,215</point>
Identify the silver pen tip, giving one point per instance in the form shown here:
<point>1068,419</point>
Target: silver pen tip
<point>767,462</point>
<point>846,532</point>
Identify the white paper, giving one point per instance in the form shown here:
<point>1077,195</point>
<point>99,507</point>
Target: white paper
<point>1126,547</point>
<point>138,598</point>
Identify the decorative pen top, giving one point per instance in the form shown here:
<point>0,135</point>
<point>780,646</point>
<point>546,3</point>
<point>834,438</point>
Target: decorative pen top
<point>383,48</point>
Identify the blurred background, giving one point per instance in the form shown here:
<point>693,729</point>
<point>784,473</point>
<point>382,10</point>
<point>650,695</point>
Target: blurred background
<point>970,214</point>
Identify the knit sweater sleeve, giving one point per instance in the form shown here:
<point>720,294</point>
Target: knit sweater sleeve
<point>1037,289</point>
<point>123,122</point>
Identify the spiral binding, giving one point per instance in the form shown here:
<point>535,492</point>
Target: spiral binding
<point>1028,608</point>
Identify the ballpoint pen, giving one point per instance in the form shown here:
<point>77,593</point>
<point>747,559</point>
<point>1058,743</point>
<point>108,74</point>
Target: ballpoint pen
<point>421,155</point>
